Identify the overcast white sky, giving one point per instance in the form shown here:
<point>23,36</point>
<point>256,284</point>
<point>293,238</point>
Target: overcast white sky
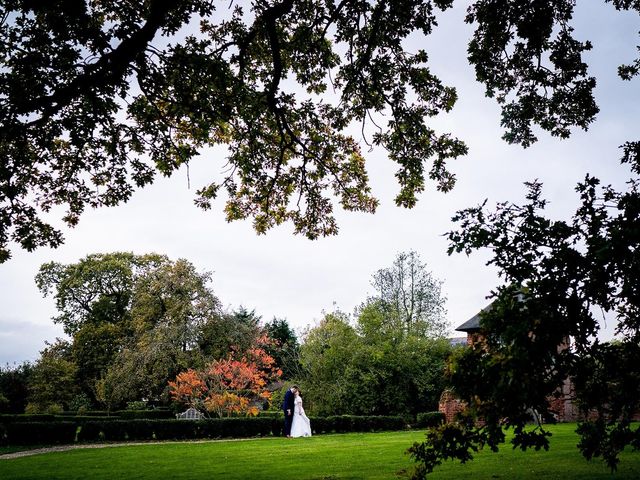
<point>290,277</point>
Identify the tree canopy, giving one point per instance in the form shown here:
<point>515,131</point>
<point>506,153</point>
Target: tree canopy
<point>409,298</point>
<point>391,360</point>
<point>284,346</point>
<point>353,369</point>
<point>97,98</point>
<point>169,339</point>
<point>134,322</point>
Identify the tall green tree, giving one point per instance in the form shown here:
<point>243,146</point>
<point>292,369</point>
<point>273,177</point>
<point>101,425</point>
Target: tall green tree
<point>53,380</point>
<point>93,298</point>
<point>14,387</point>
<point>137,320</point>
<point>176,296</point>
<point>285,348</point>
<point>358,370</point>
<point>409,298</point>
<point>409,368</point>
<point>326,352</point>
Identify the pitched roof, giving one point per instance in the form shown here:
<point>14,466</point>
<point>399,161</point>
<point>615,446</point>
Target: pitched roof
<point>473,324</point>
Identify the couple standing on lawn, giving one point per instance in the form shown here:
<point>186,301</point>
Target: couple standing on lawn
<point>296,423</point>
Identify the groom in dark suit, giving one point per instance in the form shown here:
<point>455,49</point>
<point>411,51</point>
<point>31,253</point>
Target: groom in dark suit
<point>287,407</point>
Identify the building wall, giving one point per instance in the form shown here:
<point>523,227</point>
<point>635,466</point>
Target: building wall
<point>561,405</point>
<point>450,405</point>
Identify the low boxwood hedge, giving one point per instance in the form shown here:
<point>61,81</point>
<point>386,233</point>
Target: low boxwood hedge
<point>145,414</point>
<point>90,429</point>
<point>37,433</point>
<point>354,423</point>
<point>89,413</point>
<point>429,419</point>
<point>27,417</point>
<point>46,417</point>
<point>272,414</point>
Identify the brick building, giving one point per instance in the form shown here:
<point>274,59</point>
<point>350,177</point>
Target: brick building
<point>561,405</point>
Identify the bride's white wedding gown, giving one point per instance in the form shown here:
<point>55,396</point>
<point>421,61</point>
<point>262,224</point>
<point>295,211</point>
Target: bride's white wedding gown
<point>301,426</point>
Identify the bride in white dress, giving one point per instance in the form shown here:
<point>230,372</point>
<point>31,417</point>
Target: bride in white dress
<point>301,426</point>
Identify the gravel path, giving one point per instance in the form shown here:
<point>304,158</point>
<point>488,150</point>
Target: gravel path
<point>64,448</point>
<point>61,448</point>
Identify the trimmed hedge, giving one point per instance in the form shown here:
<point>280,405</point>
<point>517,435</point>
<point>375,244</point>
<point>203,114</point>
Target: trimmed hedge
<point>27,417</point>
<point>37,433</point>
<point>271,414</point>
<point>429,419</point>
<point>46,417</point>
<point>89,429</point>
<point>145,414</point>
<point>88,418</point>
<point>44,433</point>
<point>89,413</point>
<point>353,423</point>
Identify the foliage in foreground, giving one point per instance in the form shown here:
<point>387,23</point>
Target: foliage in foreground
<point>118,94</point>
<point>543,323</point>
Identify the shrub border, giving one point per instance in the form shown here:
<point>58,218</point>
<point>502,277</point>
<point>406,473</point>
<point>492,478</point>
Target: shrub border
<point>90,429</point>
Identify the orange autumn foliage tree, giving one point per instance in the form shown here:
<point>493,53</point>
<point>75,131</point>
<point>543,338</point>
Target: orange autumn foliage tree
<point>229,386</point>
<point>227,404</point>
<point>189,388</point>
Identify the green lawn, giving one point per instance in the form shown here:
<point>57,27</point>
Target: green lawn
<point>349,456</point>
